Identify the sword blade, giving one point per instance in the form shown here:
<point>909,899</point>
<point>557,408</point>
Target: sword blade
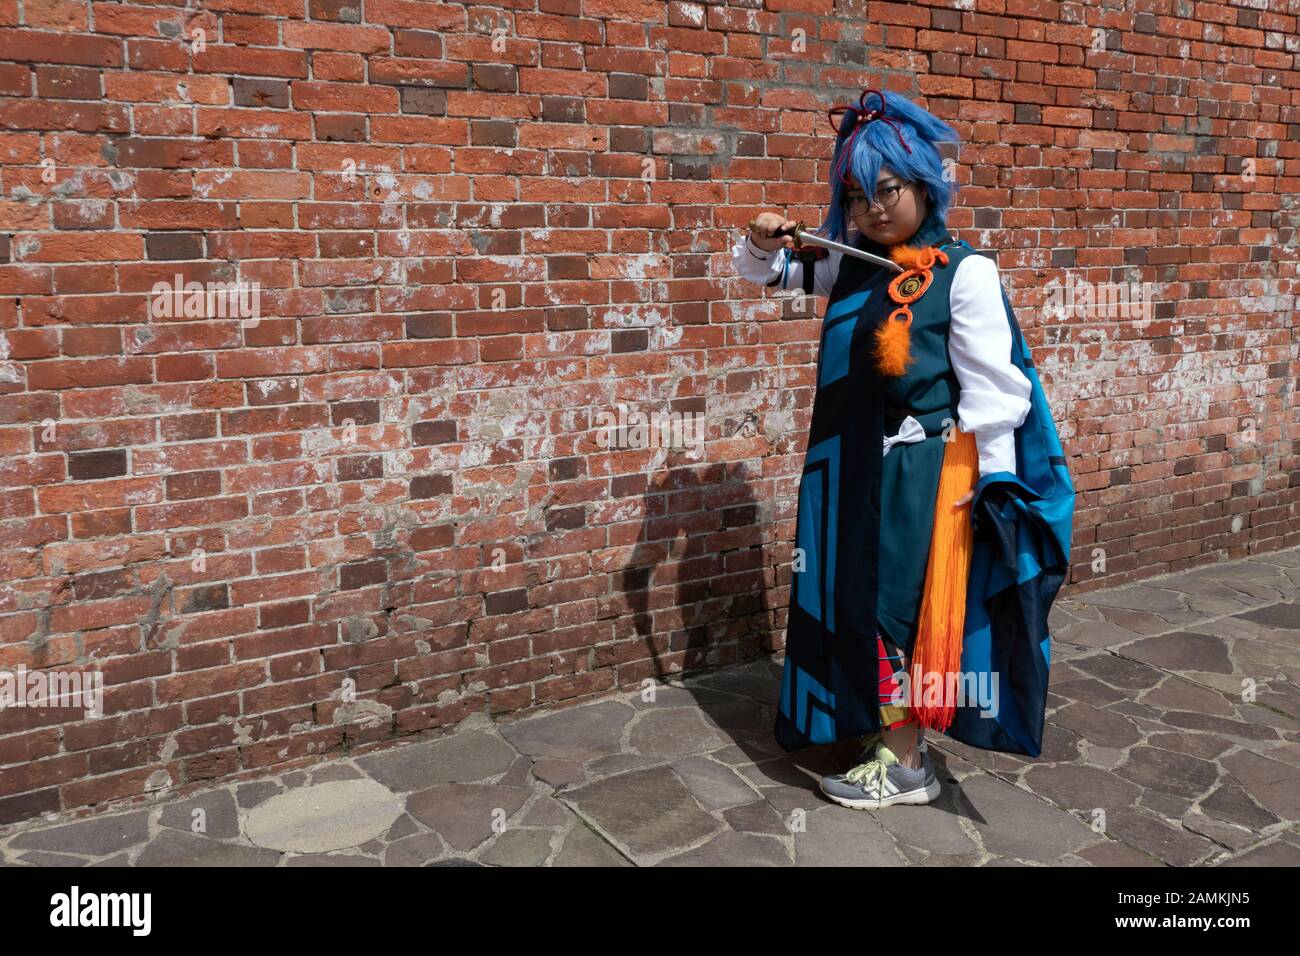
<point>812,239</point>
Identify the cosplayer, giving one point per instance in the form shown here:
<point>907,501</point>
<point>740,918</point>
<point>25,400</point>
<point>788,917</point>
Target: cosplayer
<point>934,511</point>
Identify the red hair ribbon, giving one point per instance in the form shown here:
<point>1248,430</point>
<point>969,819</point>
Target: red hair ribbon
<point>862,116</point>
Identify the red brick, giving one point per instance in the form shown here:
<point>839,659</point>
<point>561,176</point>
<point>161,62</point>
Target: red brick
<point>34,46</point>
<point>76,373</point>
<point>345,97</point>
<point>251,61</point>
<point>79,247</point>
<point>67,82</point>
<point>336,37</point>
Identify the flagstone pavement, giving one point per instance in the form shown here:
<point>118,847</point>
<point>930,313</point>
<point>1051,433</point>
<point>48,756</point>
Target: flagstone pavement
<point>1173,738</point>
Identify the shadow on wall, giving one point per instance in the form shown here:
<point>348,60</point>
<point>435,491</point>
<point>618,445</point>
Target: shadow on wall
<point>698,580</point>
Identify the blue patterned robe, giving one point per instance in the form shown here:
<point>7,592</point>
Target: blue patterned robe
<point>1022,527</point>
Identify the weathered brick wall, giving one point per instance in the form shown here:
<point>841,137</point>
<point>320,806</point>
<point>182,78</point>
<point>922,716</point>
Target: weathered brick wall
<point>474,230</point>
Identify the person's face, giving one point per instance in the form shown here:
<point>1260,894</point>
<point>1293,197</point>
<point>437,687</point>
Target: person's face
<point>897,212</point>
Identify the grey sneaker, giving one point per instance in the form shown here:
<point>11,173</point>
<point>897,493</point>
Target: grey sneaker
<point>881,782</point>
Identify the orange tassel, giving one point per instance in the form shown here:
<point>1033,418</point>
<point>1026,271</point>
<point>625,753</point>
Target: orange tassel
<point>893,346</point>
<point>936,652</point>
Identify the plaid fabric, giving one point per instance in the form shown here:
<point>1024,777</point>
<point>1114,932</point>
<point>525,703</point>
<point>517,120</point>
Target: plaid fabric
<point>891,669</point>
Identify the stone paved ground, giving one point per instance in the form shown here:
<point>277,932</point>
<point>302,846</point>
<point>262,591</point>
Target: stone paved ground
<point>1146,724</point>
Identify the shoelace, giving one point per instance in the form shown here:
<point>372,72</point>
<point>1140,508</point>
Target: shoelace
<point>870,774</point>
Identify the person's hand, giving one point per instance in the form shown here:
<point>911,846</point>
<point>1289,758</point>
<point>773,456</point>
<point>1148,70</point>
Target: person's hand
<point>964,498</point>
<point>763,226</point>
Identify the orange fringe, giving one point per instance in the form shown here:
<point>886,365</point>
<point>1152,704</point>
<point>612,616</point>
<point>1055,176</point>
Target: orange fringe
<point>936,653</point>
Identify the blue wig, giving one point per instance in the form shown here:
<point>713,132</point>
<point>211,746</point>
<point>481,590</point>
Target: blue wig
<point>872,136</point>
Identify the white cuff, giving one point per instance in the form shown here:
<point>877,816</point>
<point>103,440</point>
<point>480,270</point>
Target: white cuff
<point>759,266</point>
<point>997,451</point>
<point>755,251</point>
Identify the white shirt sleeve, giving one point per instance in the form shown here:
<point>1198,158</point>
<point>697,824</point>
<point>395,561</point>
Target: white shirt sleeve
<point>994,395</point>
<point>761,266</point>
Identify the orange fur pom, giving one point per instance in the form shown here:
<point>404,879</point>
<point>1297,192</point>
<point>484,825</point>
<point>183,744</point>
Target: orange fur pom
<point>894,344</point>
<point>905,256</point>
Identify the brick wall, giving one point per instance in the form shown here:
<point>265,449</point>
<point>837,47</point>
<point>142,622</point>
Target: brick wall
<point>474,229</point>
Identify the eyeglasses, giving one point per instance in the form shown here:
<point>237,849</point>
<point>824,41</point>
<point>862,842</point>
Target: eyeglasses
<point>886,198</point>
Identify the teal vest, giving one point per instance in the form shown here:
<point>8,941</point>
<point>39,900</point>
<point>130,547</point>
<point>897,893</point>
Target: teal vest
<point>929,392</point>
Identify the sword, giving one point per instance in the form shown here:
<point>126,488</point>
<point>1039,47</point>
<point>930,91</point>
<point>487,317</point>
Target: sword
<point>805,238</point>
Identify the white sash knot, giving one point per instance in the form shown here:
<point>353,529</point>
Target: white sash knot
<point>909,430</point>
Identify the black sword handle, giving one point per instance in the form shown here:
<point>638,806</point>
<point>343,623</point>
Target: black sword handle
<point>787,231</point>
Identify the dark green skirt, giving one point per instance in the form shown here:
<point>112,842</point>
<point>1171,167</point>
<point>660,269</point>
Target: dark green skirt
<point>909,483</point>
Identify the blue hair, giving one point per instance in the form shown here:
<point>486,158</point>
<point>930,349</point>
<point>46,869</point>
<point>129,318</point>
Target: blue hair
<point>863,147</point>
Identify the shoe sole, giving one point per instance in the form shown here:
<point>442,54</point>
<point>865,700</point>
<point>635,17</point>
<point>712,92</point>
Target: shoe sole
<point>912,797</point>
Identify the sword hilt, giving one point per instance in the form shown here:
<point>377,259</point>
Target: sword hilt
<point>798,228</point>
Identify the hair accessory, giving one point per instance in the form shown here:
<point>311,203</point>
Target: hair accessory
<point>861,116</point>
